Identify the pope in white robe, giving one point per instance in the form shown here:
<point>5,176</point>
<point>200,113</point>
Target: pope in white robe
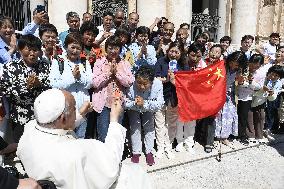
<point>50,150</point>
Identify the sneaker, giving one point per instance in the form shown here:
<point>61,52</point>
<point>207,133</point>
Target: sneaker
<point>179,147</point>
<point>150,159</point>
<point>135,158</point>
<point>159,154</point>
<point>170,154</point>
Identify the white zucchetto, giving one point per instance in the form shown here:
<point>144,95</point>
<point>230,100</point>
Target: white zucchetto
<point>49,105</point>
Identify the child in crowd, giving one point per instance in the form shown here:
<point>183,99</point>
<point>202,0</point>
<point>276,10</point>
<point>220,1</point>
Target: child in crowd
<point>111,75</point>
<point>143,53</point>
<point>73,74</point>
<point>272,88</point>
<point>166,118</point>
<point>144,98</point>
<point>227,118</point>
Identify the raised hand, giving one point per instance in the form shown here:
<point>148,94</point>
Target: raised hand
<point>76,72</point>
<point>139,101</point>
<point>116,109</point>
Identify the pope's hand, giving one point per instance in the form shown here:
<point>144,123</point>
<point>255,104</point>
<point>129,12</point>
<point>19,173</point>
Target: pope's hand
<point>116,109</point>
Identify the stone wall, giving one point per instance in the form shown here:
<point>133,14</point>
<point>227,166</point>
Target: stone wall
<point>271,19</point>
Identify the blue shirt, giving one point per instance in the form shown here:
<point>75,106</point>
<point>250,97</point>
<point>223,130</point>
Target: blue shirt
<point>149,60</point>
<point>5,56</point>
<point>77,87</point>
<point>153,98</point>
<point>31,28</point>
<point>63,35</point>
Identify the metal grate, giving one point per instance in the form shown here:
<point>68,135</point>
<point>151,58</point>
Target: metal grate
<point>17,10</point>
<point>101,6</point>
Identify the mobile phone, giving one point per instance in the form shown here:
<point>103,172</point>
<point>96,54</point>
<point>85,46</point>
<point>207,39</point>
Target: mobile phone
<point>173,65</point>
<point>40,8</point>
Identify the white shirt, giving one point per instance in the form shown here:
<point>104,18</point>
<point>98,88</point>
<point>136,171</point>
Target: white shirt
<point>248,92</point>
<point>71,163</point>
<point>269,50</point>
<point>101,32</point>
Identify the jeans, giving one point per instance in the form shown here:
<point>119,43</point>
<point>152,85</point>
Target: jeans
<point>81,130</point>
<point>103,120</point>
<point>272,117</point>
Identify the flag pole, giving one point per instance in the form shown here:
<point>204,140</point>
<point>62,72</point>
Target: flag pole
<point>220,143</point>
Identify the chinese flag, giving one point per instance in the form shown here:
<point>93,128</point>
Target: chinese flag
<point>201,93</point>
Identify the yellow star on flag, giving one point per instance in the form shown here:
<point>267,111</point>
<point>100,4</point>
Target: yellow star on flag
<point>218,73</point>
<point>209,73</point>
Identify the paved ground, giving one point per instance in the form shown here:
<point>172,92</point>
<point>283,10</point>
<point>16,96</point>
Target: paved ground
<point>253,167</point>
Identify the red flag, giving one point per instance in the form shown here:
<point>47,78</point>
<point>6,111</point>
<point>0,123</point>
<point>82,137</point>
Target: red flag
<point>201,93</point>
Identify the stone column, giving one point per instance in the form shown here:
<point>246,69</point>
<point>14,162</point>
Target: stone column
<point>179,11</point>
<point>205,6</point>
<point>222,13</point>
<point>131,6</point>
<point>266,20</point>
<point>148,10</point>
<point>281,21</point>
<point>90,6</point>
<point>244,19</point>
<point>57,9</point>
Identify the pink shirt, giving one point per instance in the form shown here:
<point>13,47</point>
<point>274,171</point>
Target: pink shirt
<point>105,83</point>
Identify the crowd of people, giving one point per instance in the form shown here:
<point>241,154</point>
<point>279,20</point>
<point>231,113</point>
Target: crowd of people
<point>136,66</point>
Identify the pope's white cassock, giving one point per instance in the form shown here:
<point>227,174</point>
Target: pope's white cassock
<point>56,155</point>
